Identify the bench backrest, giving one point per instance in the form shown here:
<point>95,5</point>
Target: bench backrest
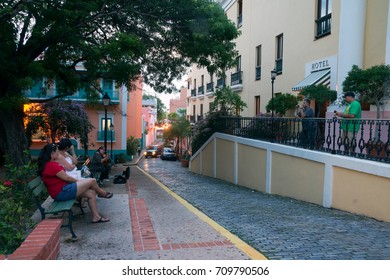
<point>39,191</point>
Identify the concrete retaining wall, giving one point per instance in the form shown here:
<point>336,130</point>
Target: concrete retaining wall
<point>346,183</point>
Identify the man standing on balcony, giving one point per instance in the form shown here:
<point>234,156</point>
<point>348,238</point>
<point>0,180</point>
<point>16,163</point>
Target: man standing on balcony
<point>307,137</point>
<point>353,114</point>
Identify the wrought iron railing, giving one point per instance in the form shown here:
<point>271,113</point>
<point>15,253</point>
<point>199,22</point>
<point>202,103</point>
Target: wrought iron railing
<point>279,65</point>
<point>220,83</point>
<point>100,135</point>
<point>236,78</point>
<point>365,138</point>
<point>258,72</point>
<point>200,90</point>
<point>210,87</point>
<point>323,25</point>
<point>193,92</point>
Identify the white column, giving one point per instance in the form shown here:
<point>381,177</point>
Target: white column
<point>328,186</point>
<point>351,37</point>
<point>268,171</point>
<point>215,157</point>
<point>235,163</point>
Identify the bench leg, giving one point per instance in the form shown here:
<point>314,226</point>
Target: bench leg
<point>70,225</point>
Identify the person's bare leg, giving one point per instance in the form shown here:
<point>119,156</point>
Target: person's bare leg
<point>91,195</point>
<point>89,183</point>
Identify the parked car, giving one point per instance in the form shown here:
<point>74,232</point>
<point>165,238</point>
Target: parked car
<point>168,154</point>
<point>152,151</point>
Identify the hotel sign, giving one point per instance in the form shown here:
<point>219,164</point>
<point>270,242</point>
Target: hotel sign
<point>320,65</point>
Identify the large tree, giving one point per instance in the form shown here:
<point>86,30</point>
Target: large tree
<point>117,39</point>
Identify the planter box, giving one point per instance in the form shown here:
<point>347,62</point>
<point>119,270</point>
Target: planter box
<point>185,162</point>
<point>43,243</point>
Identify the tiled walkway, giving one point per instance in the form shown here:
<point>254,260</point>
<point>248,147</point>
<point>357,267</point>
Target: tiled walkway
<point>148,223</point>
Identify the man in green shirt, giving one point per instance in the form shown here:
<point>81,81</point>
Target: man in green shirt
<point>352,112</point>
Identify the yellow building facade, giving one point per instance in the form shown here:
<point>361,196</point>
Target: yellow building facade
<point>305,41</point>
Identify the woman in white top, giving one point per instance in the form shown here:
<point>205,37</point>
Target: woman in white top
<point>67,158</point>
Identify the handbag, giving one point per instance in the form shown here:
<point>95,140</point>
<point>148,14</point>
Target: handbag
<point>85,172</point>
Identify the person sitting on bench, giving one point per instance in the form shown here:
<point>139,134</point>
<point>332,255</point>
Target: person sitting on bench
<point>62,187</point>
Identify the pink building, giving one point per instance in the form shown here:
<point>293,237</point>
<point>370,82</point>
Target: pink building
<point>176,104</point>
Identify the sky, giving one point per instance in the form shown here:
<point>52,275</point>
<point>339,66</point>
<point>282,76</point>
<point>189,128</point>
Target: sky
<point>166,97</point>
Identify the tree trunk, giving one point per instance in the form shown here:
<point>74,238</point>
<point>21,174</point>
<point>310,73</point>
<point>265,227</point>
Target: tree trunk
<point>13,140</point>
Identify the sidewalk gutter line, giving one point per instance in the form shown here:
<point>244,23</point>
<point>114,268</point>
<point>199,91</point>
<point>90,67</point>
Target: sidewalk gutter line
<point>239,243</point>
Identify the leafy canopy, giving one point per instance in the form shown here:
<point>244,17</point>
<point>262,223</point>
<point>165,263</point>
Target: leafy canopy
<point>119,39</point>
<point>282,103</point>
<point>59,118</point>
<point>227,102</point>
<point>373,84</point>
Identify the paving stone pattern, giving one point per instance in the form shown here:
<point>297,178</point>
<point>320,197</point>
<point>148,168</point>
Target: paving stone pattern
<point>278,227</point>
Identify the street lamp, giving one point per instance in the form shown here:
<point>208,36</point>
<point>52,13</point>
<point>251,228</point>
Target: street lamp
<point>106,101</point>
<point>273,76</point>
<point>111,129</point>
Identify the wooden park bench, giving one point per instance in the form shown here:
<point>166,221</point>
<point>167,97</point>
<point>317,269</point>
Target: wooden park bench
<point>39,191</point>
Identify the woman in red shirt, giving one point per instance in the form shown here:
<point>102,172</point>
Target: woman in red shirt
<point>61,186</point>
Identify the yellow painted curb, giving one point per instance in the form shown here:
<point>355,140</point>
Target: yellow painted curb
<point>240,244</point>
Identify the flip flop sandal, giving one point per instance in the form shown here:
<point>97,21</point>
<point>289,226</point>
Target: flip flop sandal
<point>108,195</point>
<point>101,220</point>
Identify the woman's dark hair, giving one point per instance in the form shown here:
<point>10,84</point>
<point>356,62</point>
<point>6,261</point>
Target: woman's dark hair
<point>64,144</point>
<point>45,156</point>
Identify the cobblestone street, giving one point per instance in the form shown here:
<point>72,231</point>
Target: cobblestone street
<point>278,227</point>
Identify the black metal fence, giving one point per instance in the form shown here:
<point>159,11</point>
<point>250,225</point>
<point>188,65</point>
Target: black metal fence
<point>365,138</point>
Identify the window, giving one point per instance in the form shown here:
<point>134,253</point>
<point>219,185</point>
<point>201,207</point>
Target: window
<point>102,123</point>
<point>239,17</point>
<point>201,109</point>
<point>324,16</point>
<point>210,85</point>
<point>193,110</point>
<point>238,62</point>
<point>201,87</point>
<point>279,54</point>
<point>258,63</point>
<point>108,86</point>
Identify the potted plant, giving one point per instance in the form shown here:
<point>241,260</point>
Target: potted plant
<point>132,145</point>
<point>185,159</point>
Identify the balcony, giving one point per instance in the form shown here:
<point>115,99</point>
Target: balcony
<point>100,136</point>
<point>200,90</point>
<point>239,21</point>
<point>279,66</point>
<point>236,78</point>
<point>258,73</point>
<point>323,26</point>
<point>193,93</point>
<point>236,81</point>
<point>37,93</point>
<point>210,89</point>
<point>220,83</point>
